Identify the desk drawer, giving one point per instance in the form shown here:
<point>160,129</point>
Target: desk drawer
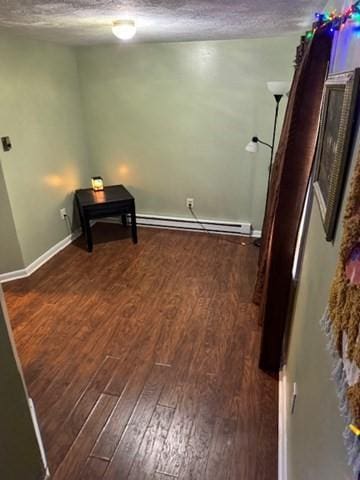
<point>106,210</point>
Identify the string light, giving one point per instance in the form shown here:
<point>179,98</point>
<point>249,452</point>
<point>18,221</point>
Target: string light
<point>332,21</point>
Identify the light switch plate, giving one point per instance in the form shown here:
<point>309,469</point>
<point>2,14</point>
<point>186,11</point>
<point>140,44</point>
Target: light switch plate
<point>6,143</point>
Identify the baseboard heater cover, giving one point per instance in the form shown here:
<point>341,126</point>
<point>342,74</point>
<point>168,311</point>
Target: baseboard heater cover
<point>176,223</point>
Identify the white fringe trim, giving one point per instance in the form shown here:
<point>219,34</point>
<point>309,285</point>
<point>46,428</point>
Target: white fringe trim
<point>352,442</point>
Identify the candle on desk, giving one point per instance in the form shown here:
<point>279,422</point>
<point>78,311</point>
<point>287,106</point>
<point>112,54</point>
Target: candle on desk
<point>97,184</point>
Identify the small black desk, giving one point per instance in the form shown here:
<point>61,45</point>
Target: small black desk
<point>113,200</point>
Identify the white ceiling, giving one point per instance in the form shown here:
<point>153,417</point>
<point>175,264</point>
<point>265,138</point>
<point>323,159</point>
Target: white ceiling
<point>85,22</point>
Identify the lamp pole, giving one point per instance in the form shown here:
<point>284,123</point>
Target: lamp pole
<point>278,89</point>
<point>278,98</point>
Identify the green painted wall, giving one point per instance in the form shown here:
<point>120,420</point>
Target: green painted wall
<point>10,252</point>
<point>41,112</point>
<point>315,443</point>
<point>19,451</point>
<point>171,121</point>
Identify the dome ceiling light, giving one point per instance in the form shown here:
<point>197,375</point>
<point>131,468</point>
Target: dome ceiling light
<point>124,29</point>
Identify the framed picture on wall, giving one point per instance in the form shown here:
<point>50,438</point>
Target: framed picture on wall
<point>336,127</point>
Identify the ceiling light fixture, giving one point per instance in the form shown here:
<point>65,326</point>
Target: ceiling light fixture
<point>124,29</point>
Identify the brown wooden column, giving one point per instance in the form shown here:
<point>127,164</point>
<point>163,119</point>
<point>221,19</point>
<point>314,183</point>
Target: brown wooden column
<point>292,169</point>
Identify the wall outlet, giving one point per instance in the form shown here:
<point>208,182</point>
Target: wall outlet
<point>63,213</point>
<point>190,203</point>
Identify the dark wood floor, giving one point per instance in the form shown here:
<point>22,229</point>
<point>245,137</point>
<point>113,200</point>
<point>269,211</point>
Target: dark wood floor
<point>142,360</point>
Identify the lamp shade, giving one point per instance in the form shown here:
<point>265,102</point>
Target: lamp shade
<point>124,29</point>
<point>278,88</point>
<point>252,147</point>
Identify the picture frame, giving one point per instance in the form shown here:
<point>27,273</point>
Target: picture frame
<point>341,94</point>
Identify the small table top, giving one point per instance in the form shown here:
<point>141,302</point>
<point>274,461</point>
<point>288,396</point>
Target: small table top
<point>113,193</point>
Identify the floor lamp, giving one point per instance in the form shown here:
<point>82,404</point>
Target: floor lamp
<point>278,89</point>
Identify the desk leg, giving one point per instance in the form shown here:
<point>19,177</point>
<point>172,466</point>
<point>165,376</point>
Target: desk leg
<point>133,226</point>
<point>88,235</point>
<point>81,216</point>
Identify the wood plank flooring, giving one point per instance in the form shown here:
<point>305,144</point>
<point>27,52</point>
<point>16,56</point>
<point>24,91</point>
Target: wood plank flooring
<point>142,360</point>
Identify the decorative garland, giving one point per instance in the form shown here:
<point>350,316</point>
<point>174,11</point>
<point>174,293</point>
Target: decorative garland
<point>333,21</point>
<point>330,22</point>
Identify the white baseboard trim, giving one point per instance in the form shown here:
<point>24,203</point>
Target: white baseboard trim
<point>39,439</point>
<point>7,277</point>
<point>143,220</point>
<point>282,427</point>
<point>36,264</point>
<point>189,224</point>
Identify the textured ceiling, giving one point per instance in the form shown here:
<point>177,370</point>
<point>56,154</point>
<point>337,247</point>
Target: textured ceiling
<point>84,22</point>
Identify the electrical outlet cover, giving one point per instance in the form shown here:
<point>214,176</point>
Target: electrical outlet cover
<point>190,202</point>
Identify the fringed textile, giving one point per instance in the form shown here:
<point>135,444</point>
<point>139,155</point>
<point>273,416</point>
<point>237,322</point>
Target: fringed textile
<point>341,322</point>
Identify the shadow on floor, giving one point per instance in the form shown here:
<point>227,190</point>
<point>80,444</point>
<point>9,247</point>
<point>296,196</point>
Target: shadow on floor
<point>103,233</point>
